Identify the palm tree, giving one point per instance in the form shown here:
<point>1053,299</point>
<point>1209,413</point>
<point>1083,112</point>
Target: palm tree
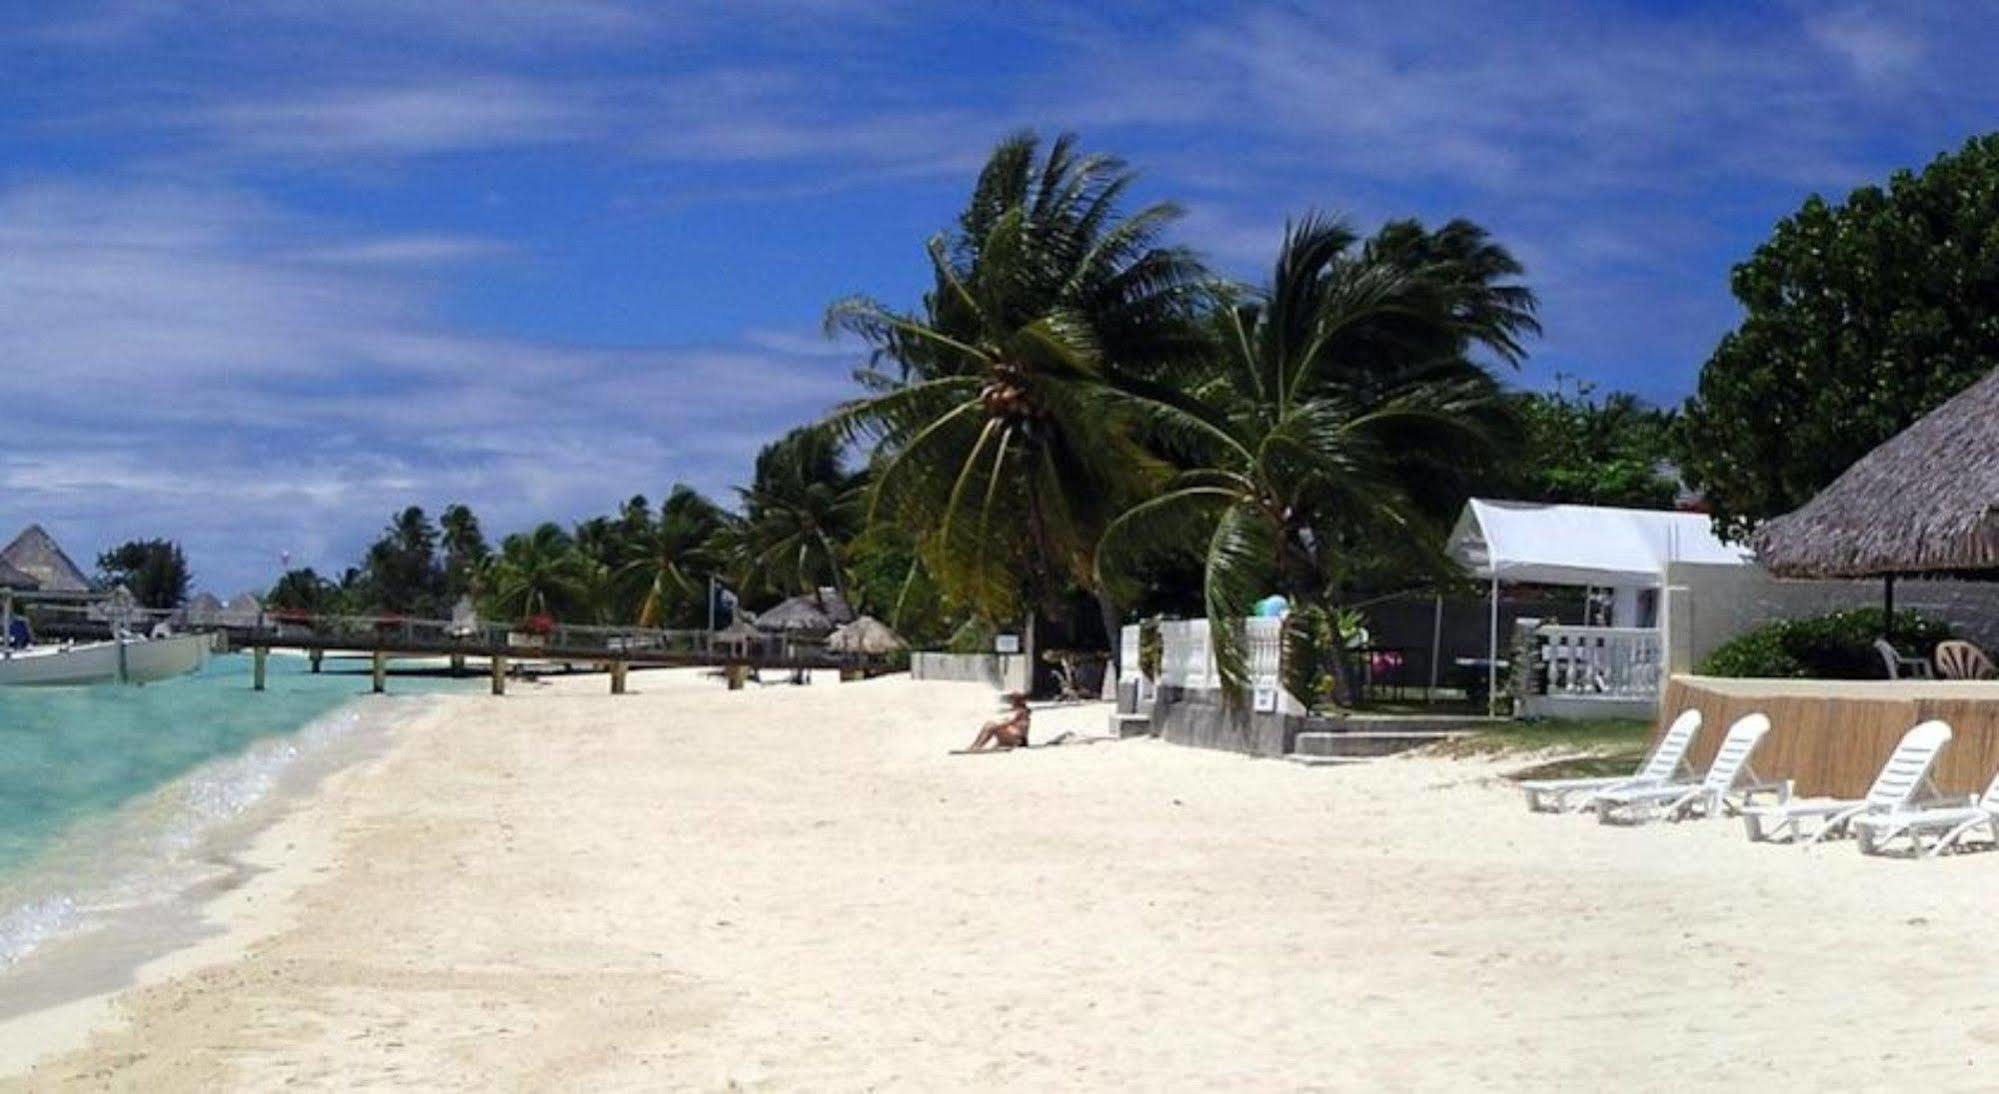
<point>539,573</point>
<point>1336,390</point>
<point>465,550</point>
<point>997,434</point>
<point>667,560</point>
<point>799,513</point>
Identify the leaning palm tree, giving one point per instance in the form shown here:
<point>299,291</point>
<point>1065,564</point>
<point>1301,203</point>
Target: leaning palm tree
<point>539,573</point>
<point>997,433</point>
<point>1312,427</point>
<point>669,557</point>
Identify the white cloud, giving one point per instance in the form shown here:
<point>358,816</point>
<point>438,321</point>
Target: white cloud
<point>186,373</point>
<point>1877,49</point>
<point>466,114</point>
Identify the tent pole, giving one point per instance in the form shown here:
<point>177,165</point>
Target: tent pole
<point>1436,645</point>
<point>1888,608</point>
<point>1492,653</point>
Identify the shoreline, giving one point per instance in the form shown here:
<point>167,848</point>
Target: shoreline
<point>64,991</point>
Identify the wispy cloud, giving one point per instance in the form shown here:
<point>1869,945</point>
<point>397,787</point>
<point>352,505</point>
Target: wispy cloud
<point>179,349</point>
<point>467,114</point>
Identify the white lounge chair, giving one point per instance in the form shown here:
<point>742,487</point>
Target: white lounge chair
<point>1728,780</point>
<point>1665,764</point>
<point>1955,821</point>
<point>1904,780</point>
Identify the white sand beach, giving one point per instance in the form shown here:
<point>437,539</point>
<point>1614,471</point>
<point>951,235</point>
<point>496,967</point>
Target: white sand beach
<point>798,888</point>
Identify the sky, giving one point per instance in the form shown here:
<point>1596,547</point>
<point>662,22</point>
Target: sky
<point>272,270</point>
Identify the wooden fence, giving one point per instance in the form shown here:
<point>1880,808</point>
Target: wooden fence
<point>1832,737</point>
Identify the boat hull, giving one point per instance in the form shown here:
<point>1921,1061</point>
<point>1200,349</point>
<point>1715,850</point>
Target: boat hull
<point>130,661</point>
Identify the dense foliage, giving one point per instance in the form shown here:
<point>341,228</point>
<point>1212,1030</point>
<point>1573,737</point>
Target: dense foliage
<point>1580,449</point>
<point>1835,646</point>
<point>154,570</point>
<point>1860,316</point>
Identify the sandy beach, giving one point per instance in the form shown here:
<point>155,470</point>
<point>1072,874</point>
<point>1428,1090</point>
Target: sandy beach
<point>792,888</point>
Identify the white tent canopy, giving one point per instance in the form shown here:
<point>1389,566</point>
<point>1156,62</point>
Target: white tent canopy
<point>1582,544</point>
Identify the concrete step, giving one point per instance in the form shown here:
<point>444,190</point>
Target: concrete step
<point>1330,761</point>
<point>1353,744</point>
<point>1131,725</point>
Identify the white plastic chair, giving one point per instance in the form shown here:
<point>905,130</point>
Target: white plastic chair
<point>1728,780</point>
<point>1667,761</point>
<point>1903,781</point>
<point>1901,666</point>
<point>1875,831</point>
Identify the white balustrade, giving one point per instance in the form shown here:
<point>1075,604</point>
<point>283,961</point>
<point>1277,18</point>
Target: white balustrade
<point>1599,662</point>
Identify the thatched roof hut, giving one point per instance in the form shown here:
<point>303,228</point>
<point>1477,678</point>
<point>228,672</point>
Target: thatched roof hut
<point>204,610</point>
<point>12,578</point>
<point>34,552</point>
<point>244,610</point>
<point>1925,501</point>
<point>809,613</point>
<point>866,635</point>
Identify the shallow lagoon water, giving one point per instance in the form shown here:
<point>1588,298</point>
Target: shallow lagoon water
<point>111,798</point>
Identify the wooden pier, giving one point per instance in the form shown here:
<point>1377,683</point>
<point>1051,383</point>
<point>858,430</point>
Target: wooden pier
<point>612,650</point>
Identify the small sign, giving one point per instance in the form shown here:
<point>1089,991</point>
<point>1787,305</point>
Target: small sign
<point>1264,701</point>
<point>1006,643</point>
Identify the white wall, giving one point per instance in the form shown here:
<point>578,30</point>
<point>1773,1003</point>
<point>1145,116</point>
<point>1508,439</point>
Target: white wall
<point>1005,671</point>
<point>1709,604</point>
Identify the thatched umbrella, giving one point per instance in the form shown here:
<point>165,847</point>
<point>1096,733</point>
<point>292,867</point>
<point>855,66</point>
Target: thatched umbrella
<point>1927,500</point>
<point>810,614</point>
<point>739,634</point>
<point>866,635</point>
<point>1922,502</point>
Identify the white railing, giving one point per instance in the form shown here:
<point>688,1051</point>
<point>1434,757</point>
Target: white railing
<point>1187,660</point>
<point>1599,662</point>
<point>1129,667</point>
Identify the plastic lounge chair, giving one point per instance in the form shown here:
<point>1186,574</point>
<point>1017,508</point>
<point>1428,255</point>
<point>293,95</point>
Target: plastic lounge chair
<point>1875,831</point>
<point>1729,780</point>
<point>1960,660</point>
<point>1904,781</point>
<point>1668,759</point>
<point>1901,667</point>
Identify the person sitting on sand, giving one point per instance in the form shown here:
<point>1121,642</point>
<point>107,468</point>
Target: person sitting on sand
<point>1008,732</point>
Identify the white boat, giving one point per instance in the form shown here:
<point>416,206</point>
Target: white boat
<point>120,661</point>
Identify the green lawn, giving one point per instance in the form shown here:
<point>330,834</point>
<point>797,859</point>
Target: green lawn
<point>1614,746</point>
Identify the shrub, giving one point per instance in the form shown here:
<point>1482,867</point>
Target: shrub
<point>1836,646</point>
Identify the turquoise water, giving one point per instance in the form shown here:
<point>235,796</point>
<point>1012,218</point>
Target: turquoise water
<point>104,790</point>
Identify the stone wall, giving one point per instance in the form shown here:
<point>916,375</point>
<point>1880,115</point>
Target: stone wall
<point>1199,718</point>
<point>1710,604</point>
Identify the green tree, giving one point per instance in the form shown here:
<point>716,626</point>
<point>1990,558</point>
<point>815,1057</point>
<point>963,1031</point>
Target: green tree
<point>304,590</point>
<point>667,561</point>
<point>403,574</point>
<point>801,508</point>
<point>1577,448</point>
<point>1859,317</point>
<point>998,433</point>
<point>465,550</point>
<point>154,570</point>
<point>1306,437</point>
<point>540,573</point>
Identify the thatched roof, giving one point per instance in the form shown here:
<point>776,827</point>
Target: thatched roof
<point>809,613</point>
<point>34,552</point>
<point>204,610</point>
<point>741,630</point>
<point>864,635</point>
<point>13,578</point>
<point>243,610</point>
<point>1924,501</point>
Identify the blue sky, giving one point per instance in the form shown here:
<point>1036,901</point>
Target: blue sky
<point>271,272</point>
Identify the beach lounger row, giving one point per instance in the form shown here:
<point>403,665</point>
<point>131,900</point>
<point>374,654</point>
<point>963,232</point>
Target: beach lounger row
<point>1902,804</point>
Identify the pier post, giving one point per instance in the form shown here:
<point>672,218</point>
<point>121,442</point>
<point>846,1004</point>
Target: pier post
<point>618,677</point>
<point>457,664</point>
<point>316,656</point>
<point>736,672</point>
<point>499,661</point>
<point>257,658</point>
<point>381,671</point>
